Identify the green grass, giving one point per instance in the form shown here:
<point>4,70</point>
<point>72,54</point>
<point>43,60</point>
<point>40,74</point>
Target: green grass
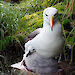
<point>5,42</point>
<point>9,17</point>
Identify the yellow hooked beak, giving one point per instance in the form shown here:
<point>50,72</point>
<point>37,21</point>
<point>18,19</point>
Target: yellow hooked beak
<point>51,22</point>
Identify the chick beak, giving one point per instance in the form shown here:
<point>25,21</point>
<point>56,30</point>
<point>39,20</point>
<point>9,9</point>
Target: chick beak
<point>51,22</point>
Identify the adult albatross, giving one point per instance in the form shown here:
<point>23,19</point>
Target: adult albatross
<point>40,52</point>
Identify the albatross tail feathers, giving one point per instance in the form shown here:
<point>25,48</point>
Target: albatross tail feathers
<point>19,66</point>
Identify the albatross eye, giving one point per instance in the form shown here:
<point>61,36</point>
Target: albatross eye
<point>46,14</point>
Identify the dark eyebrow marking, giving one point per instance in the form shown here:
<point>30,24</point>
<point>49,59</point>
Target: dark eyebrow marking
<point>46,14</point>
<point>55,14</point>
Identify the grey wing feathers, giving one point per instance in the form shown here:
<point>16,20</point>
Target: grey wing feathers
<point>33,34</point>
<point>28,47</point>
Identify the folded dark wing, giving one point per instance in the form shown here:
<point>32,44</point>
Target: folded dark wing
<point>33,34</point>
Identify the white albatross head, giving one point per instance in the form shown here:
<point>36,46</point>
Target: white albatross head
<point>50,16</point>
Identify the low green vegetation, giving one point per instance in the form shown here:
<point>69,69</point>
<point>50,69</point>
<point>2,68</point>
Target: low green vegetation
<point>5,42</point>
